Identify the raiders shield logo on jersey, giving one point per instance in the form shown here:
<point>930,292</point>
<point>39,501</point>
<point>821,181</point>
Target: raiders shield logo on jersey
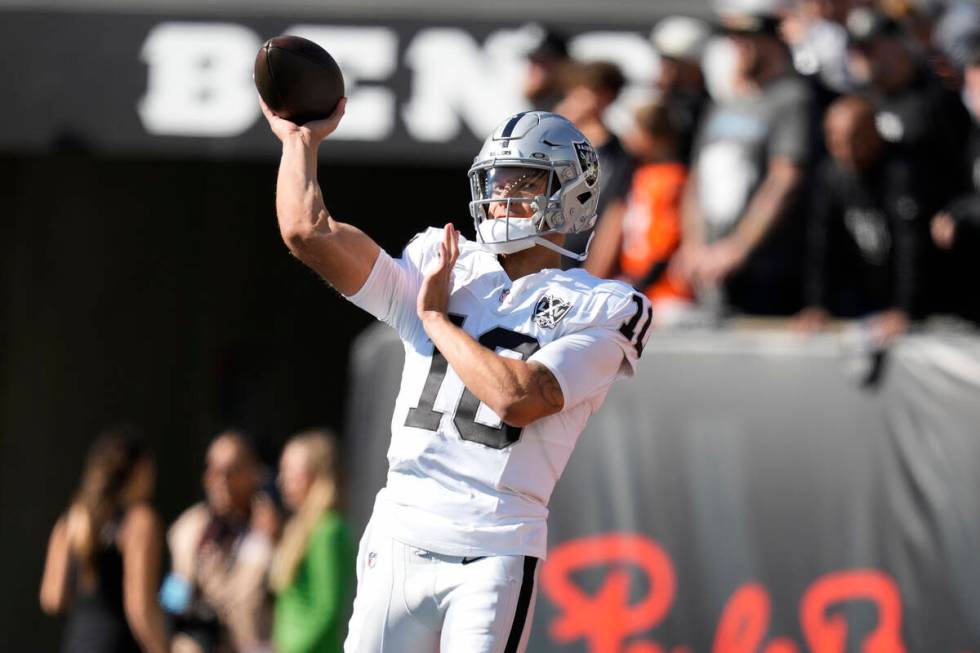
<point>588,160</point>
<point>549,311</point>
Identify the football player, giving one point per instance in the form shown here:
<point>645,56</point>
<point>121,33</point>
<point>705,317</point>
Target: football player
<point>506,357</point>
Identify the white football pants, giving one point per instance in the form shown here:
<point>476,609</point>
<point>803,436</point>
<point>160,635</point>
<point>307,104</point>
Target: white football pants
<point>410,600</point>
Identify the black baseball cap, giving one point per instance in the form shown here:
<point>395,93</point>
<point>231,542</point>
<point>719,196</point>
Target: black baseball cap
<point>550,46</point>
<point>748,24</point>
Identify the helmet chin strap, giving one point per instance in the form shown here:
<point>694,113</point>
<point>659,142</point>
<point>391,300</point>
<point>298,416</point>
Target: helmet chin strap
<point>544,242</point>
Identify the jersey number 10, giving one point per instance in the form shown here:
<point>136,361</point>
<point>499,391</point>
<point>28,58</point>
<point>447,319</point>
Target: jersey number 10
<point>464,416</point>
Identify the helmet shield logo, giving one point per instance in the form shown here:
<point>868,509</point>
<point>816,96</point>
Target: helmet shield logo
<point>549,311</point>
<point>588,160</point>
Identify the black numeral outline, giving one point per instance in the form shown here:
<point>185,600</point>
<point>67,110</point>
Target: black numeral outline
<point>425,416</point>
<point>628,329</point>
<point>496,437</point>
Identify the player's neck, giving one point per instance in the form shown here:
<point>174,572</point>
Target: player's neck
<point>529,261</point>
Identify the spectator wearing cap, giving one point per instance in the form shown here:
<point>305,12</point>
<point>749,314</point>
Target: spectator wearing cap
<point>546,61</point>
<point>865,239</point>
<point>680,43</point>
<point>817,37</point>
<point>590,88</point>
<point>750,155</point>
<point>914,111</point>
<point>956,229</point>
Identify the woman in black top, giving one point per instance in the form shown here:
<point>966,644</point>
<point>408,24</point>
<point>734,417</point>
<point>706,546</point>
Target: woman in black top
<point>103,561</point>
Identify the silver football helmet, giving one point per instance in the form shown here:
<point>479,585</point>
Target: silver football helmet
<point>535,174</point>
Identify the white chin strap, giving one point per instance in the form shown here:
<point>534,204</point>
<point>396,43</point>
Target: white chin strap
<point>509,235</point>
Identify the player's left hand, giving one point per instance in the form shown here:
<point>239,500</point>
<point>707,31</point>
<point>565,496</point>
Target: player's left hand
<point>433,298</point>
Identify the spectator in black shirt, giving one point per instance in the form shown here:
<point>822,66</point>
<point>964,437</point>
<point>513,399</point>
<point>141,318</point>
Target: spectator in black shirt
<point>865,229</point>
<point>923,119</point>
<point>590,88</point>
<point>680,42</point>
<point>956,229</point>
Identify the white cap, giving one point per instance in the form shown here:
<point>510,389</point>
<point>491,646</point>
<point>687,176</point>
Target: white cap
<point>680,37</point>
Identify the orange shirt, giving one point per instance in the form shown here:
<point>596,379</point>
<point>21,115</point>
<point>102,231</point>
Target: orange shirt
<point>652,227</point>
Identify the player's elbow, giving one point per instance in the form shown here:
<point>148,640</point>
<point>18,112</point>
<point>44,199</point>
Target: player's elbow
<point>519,411</point>
<point>537,394</point>
<point>299,238</point>
<point>304,227</point>
<point>518,422</point>
<point>505,403</point>
<point>308,244</point>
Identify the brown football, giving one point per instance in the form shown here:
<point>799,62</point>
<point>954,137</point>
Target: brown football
<point>298,79</point>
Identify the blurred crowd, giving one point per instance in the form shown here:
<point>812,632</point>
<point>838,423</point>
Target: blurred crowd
<point>817,159</point>
<point>257,566</point>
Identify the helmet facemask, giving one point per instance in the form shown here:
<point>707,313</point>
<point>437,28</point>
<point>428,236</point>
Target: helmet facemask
<point>515,204</point>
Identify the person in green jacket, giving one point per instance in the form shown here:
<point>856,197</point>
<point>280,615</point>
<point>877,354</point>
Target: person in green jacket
<point>313,569</point>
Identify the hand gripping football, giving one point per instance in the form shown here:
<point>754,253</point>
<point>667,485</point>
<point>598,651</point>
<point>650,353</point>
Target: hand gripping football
<point>298,79</point>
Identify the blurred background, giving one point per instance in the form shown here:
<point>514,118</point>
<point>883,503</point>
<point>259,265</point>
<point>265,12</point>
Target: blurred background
<point>795,184</point>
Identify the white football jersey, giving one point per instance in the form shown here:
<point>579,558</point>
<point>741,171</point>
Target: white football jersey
<point>460,482</point>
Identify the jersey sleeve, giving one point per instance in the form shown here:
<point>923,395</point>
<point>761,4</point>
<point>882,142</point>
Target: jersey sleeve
<point>586,362</point>
<point>391,290</point>
<point>629,318</point>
